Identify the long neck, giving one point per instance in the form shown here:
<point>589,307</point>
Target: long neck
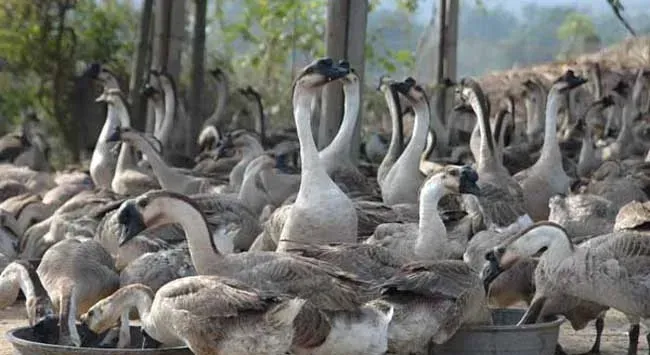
<point>133,297</point>
<point>168,177</point>
<point>558,245</point>
<point>12,224</point>
<point>222,93</point>
<point>14,277</point>
<point>170,114</point>
<point>250,152</point>
<point>159,115</point>
<point>205,255</point>
<point>499,132</point>
<point>411,155</point>
<point>341,145</point>
<point>126,160</point>
<point>260,120</point>
<point>431,227</point>
<point>110,125</point>
<point>250,194</point>
<point>551,149</point>
<point>309,159</point>
<point>537,112</point>
<point>439,128</point>
<point>486,157</point>
<point>625,135</point>
<point>397,133</point>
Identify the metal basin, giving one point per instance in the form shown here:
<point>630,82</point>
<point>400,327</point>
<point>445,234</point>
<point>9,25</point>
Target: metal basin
<point>504,337</point>
<point>25,342</point>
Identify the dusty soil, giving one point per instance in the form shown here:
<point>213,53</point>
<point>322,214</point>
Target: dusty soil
<point>614,336</point>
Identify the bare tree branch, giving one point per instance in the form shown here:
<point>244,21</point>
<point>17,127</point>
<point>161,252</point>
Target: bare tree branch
<point>617,7</point>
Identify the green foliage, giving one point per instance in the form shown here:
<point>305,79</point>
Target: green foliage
<point>46,42</point>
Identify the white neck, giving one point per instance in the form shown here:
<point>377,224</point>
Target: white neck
<point>159,115</point>
<point>558,244</point>
<point>396,142</point>
<point>170,112</point>
<point>204,257</point>
<point>486,159</point>
<point>341,145</point>
<point>432,232</point>
<point>551,149</point>
<point>131,297</point>
<point>249,152</point>
<point>309,160</point>
<point>167,177</point>
<point>440,130</point>
<point>409,161</point>
<point>14,277</point>
<point>534,121</point>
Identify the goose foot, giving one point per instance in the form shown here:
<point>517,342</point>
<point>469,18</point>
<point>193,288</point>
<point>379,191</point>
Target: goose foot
<point>633,336</point>
<point>595,350</point>
<point>559,350</point>
<point>148,342</point>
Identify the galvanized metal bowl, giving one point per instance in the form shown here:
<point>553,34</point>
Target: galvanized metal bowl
<point>25,342</point>
<point>504,337</point>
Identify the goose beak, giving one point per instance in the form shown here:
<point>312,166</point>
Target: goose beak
<point>334,72</point>
<point>102,98</point>
<point>131,220</point>
<point>490,272</point>
<point>468,179</point>
<point>404,87</point>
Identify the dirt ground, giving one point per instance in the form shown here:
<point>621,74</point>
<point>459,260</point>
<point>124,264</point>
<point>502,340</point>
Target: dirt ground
<point>614,336</point>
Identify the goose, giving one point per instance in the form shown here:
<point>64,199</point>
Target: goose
<point>322,213</point>
<point>155,269</point>
<point>11,188</point>
<point>583,215</point>
<point>428,241</point>
<point>339,295</point>
<point>404,178</point>
<point>336,157</point>
<point>21,275</point>
<point>520,283</point>
<point>9,234</point>
<point>217,118</point>
<point>593,125</point>
<point>547,177</point>
<point>28,147</point>
<point>431,301</point>
<point>76,274</point>
<point>501,197</point>
<point>610,273</point>
<point>209,314</point>
<point>127,179</point>
<point>627,143</point>
<point>168,177</point>
<point>391,95</point>
<point>249,148</point>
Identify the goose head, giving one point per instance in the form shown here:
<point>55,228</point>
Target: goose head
<point>529,242</point>
<point>320,72</point>
<point>149,210</point>
<point>568,81</point>
<point>469,92</point>
<point>453,179</point>
<point>150,91</point>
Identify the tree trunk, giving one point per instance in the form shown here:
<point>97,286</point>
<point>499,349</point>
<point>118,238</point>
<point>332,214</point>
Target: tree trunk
<point>345,37</point>
<point>198,69</point>
<point>138,74</point>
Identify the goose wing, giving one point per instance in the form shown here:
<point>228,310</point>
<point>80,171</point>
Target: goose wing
<point>369,262</point>
<point>326,286</point>
<point>447,279</point>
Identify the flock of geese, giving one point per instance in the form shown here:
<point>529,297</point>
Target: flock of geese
<point>267,245</point>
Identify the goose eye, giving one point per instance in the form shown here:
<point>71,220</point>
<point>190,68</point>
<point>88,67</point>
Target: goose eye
<point>143,203</point>
<point>91,313</point>
<point>453,172</point>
